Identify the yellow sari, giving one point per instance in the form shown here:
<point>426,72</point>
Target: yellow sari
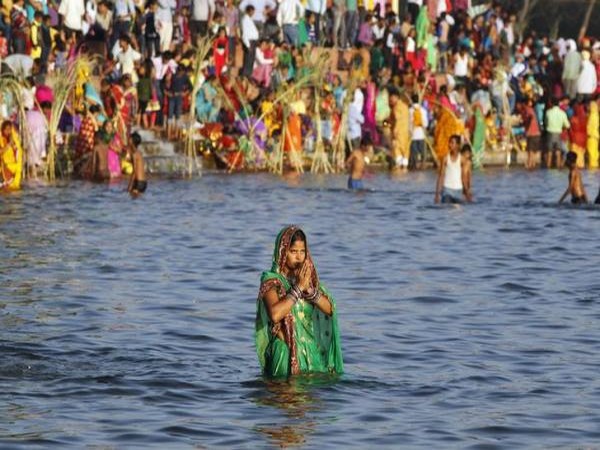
<point>401,131</point>
<point>593,135</point>
<point>11,161</point>
<point>447,125</point>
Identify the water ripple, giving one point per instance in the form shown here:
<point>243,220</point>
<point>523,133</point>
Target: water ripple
<point>130,324</point>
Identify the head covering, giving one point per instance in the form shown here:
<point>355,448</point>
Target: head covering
<point>282,245</point>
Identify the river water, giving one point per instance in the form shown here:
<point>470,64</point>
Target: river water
<point>129,324</point>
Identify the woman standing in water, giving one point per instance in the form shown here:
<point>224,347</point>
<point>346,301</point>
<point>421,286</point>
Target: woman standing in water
<point>296,319</point>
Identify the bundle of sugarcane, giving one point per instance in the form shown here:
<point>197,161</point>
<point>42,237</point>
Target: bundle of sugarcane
<point>501,75</point>
<point>63,84</point>
<point>320,162</point>
<point>339,142</point>
<point>203,48</point>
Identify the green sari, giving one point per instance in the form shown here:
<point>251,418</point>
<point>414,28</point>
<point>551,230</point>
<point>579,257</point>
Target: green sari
<point>311,338</point>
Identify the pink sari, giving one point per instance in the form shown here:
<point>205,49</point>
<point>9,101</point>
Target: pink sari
<point>370,124</point>
<point>114,161</point>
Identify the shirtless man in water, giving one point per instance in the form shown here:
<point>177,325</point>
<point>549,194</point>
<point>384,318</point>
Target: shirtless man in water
<point>137,182</point>
<point>356,163</point>
<point>575,187</point>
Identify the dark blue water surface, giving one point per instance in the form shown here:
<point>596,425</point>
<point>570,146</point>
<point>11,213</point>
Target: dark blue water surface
<point>129,324</point>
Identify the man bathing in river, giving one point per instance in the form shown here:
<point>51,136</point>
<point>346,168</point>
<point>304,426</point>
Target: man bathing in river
<point>575,187</point>
<point>356,163</point>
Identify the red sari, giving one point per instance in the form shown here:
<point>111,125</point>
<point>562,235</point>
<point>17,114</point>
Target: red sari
<point>220,54</point>
<point>578,134</point>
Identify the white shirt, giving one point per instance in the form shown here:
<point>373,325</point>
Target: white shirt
<point>203,10</point>
<point>453,174</point>
<point>378,32</point>
<point>126,60</point>
<point>510,34</point>
<point>461,65</point>
<point>260,58</point>
<point>519,69</point>
<point>289,12</point>
<point>587,81</point>
<point>249,30</point>
<point>441,7</point>
<point>418,133</point>
<point>72,12</point>
<point>317,6</point>
<point>355,120</point>
<point>164,14</point>
<point>162,68</point>
<point>259,8</point>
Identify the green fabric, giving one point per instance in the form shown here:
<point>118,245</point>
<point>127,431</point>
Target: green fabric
<point>432,53</point>
<point>377,60</point>
<point>285,58</point>
<point>144,89</point>
<point>478,138</point>
<point>302,32</point>
<point>422,27</point>
<point>316,335</point>
<point>382,106</point>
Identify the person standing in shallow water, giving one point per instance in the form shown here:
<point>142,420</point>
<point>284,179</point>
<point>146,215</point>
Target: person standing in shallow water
<point>356,163</point>
<point>296,318</point>
<point>454,175</point>
<point>137,182</point>
<point>575,186</point>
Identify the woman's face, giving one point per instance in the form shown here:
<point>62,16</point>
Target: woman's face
<point>6,131</point>
<point>295,256</point>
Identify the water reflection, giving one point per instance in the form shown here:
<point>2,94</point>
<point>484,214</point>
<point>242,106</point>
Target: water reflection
<point>298,400</point>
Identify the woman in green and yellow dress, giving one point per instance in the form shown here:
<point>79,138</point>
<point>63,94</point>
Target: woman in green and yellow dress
<point>296,317</point>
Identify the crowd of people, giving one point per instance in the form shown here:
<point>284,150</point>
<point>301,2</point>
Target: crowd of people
<point>407,76</point>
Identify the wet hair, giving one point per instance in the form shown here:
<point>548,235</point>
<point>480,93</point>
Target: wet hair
<point>366,141</point>
<point>298,236</point>
<point>136,139</point>
<point>466,148</point>
<point>571,158</point>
